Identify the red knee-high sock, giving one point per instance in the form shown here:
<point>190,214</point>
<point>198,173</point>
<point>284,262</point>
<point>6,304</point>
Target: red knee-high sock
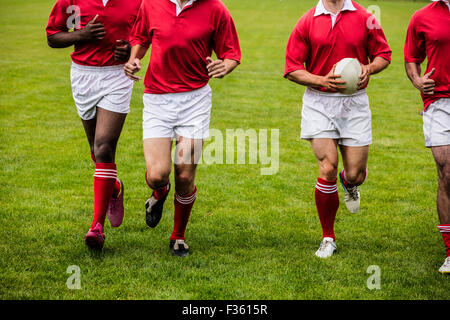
<point>183,207</point>
<point>445,231</point>
<point>159,193</point>
<point>348,185</point>
<point>117,185</point>
<point>327,203</point>
<point>104,180</point>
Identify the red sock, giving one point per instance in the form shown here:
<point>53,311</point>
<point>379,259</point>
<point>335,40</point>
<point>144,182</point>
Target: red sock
<point>92,157</point>
<point>445,231</point>
<point>183,207</point>
<point>348,185</point>
<point>104,179</point>
<point>159,193</point>
<point>327,203</point>
<point>117,187</point>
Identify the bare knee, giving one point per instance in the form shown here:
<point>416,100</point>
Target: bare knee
<point>104,151</point>
<point>158,177</point>
<point>355,176</point>
<point>328,170</point>
<point>184,180</point>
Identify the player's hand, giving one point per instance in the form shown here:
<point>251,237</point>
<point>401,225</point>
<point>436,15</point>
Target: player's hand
<point>365,76</point>
<point>122,51</point>
<point>425,84</point>
<point>93,31</point>
<point>131,67</point>
<point>217,68</point>
<point>331,81</point>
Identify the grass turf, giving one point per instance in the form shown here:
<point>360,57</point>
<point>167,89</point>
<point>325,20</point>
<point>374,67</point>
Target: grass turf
<point>252,236</point>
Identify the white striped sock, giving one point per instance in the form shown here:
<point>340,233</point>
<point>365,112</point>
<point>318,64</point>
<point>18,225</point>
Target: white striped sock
<point>105,173</point>
<point>444,229</point>
<point>186,200</point>
<point>326,188</point>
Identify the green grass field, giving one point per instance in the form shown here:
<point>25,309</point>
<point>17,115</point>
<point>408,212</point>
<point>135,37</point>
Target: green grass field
<point>252,236</point>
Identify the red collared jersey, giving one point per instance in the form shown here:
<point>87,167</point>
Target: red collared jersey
<point>316,45</point>
<point>117,16</point>
<point>429,36</point>
<point>181,43</point>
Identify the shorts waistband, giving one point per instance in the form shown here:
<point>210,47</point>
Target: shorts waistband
<point>98,69</point>
<point>335,94</point>
<point>205,88</point>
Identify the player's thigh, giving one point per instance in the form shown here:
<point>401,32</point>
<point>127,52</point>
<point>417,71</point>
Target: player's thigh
<point>157,153</point>
<point>89,128</point>
<point>109,125</point>
<point>354,159</point>
<point>327,157</point>
<point>187,155</point>
<point>107,132</point>
<point>188,151</point>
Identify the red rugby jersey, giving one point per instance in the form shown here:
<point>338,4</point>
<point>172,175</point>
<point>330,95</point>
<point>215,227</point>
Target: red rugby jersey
<point>316,45</point>
<point>429,36</point>
<point>181,44</point>
<point>118,17</point>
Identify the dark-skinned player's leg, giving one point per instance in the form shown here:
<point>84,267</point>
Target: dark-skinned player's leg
<point>89,129</point>
<point>107,132</point>
<point>442,158</point>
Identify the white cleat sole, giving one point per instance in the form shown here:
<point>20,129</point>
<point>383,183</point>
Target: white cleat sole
<point>353,207</point>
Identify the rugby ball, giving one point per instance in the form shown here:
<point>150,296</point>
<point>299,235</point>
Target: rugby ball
<point>350,70</point>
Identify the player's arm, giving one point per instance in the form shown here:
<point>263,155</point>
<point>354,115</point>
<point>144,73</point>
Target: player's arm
<point>134,62</point>
<point>91,32</point>
<point>220,68</point>
<point>424,84</point>
<point>297,52</point>
<point>330,81</point>
<point>378,64</point>
<point>226,46</point>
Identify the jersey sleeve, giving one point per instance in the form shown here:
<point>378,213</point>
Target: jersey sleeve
<point>377,42</point>
<point>140,34</point>
<point>414,50</point>
<point>297,51</point>
<point>57,22</point>
<point>226,41</point>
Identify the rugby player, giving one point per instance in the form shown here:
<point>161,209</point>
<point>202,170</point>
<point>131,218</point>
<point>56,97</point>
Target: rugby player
<point>177,100</point>
<point>329,32</point>
<point>101,91</point>
<point>428,37</point>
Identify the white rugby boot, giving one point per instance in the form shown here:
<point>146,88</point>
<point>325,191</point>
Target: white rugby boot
<point>327,248</point>
<point>445,269</point>
<point>352,196</point>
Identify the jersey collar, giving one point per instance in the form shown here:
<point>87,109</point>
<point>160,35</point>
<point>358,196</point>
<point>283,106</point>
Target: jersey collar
<point>320,8</point>
<point>179,9</point>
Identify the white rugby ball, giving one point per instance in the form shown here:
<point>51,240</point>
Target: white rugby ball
<point>350,70</point>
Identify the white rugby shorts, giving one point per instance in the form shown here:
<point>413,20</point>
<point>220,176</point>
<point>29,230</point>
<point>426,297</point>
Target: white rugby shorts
<point>436,123</point>
<point>173,115</point>
<point>346,118</point>
<point>105,87</point>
